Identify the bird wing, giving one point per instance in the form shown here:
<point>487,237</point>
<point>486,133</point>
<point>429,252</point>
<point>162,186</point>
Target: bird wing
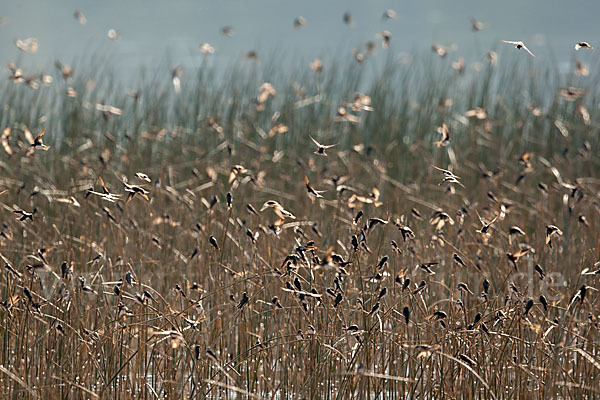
<point>527,50</point>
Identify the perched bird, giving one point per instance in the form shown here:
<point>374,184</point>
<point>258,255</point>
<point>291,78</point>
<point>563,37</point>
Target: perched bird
<point>213,242</point>
<point>406,314</point>
<point>245,299</point>
<point>519,45</point>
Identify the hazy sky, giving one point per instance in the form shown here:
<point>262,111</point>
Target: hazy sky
<point>151,29</point>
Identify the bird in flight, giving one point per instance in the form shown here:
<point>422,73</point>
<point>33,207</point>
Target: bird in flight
<point>321,148</point>
<point>583,45</point>
<point>477,25</point>
<point>312,192</point>
<point>519,45</point>
<point>445,139</point>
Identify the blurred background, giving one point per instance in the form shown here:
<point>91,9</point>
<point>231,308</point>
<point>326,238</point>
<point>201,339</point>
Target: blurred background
<point>151,33</point>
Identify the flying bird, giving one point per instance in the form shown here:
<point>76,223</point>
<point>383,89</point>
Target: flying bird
<point>445,139</point>
<point>38,142</point>
<point>477,25</point>
<point>321,148</point>
<point>583,45</point>
<point>519,45</point>
<point>312,192</point>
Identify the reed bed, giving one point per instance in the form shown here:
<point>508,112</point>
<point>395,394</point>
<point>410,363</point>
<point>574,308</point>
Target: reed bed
<point>178,283</point>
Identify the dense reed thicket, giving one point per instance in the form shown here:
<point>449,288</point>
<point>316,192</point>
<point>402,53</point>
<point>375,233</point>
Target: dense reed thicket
<point>140,261</point>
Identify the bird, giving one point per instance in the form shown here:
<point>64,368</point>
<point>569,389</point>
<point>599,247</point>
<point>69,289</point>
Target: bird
<point>347,18</point>
<point>477,25</point>
<point>321,148</point>
<point>278,209</point>
<point>406,314</point>
<point>227,31</point>
<point>80,17</point>
<point>5,143</point>
<point>519,45</point>
<point>551,230</point>
<point>449,176</point>
<point>243,301</point>
<point>389,14</point>
<point>37,142</point>
<point>583,45</point>
<point>213,242</point>
<point>135,189</point>
<point>299,22</point>
<point>312,192</point>
<point>386,36</point>
<point>445,132</point>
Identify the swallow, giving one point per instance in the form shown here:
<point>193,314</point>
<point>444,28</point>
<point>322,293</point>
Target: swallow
<point>278,209</point>
<point>312,192</point>
<point>427,267</point>
<point>321,148</point>
<point>213,242</point>
<point>206,49</point>
<point>135,189</point>
<point>406,314</point>
<point>317,66</point>
<point>227,31</point>
<point>175,78</point>
<point>485,224</point>
<point>347,18</point>
<point>66,70</point>
<point>299,22</point>
<point>463,287</point>
<point>519,45</point>
<point>78,15</point>
<point>517,255</point>
<point>29,45</point>
<point>449,177</point>
<point>389,14</point>
<point>459,260</point>
<point>477,25</point>
<point>106,194</point>
<point>245,299</point>
<point>387,38</point>
<point>445,139</point>
<point>5,141</point>
<point>38,142</point>
<point>583,45</point>
<point>439,50</point>
<point>581,69</point>
<point>551,230</point>
<point>113,34</point>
